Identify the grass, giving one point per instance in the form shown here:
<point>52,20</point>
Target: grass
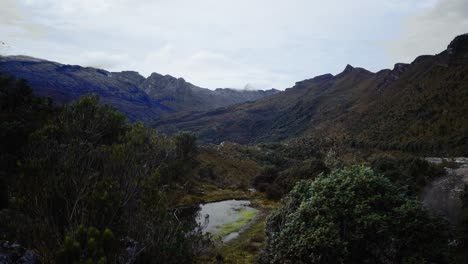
<point>245,248</point>
<point>245,217</point>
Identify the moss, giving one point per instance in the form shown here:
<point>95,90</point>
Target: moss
<point>246,247</point>
<point>245,217</point>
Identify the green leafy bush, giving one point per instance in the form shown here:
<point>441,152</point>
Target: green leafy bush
<point>82,167</point>
<point>353,216</point>
<point>89,245</point>
<point>409,173</point>
<point>277,183</point>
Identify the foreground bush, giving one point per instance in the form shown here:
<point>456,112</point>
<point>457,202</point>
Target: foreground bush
<point>84,186</point>
<point>353,216</point>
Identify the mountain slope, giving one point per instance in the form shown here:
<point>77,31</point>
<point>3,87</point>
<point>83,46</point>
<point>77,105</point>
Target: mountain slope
<point>65,83</point>
<point>140,98</point>
<point>421,105</point>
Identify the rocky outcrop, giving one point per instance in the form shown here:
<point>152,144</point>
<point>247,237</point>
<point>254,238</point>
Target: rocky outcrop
<point>13,253</point>
<point>443,195</point>
<point>458,45</point>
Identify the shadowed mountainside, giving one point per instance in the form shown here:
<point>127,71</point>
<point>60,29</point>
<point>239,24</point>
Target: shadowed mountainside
<point>140,98</point>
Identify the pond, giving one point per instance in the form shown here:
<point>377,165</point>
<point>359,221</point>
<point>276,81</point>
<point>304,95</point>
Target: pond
<point>226,219</point>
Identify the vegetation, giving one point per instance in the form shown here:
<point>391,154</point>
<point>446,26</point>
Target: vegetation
<point>410,173</point>
<point>277,183</point>
<point>79,184</point>
<point>20,114</point>
<point>85,186</point>
<point>89,246</point>
<point>353,216</point>
<point>245,217</point>
<point>245,248</point>
<point>419,108</point>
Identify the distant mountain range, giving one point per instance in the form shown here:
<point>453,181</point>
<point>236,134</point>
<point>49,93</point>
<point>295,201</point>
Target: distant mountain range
<point>422,106</point>
<point>140,98</point>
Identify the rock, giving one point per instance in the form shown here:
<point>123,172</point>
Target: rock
<point>443,195</point>
<point>458,45</point>
<point>14,253</point>
<point>29,258</point>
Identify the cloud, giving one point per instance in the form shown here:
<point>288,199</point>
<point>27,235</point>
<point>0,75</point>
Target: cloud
<point>430,31</point>
<point>211,67</point>
<point>100,59</point>
<point>15,21</point>
<point>212,43</point>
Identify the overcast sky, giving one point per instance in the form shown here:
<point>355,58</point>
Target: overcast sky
<point>231,43</point>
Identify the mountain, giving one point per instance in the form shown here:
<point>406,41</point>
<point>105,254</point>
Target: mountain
<point>184,96</point>
<point>417,106</point>
<point>140,98</point>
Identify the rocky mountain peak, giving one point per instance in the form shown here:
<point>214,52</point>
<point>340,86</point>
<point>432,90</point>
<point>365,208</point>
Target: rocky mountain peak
<point>155,75</point>
<point>323,77</point>
<point>459,45</point>
<point>129,76</point>
<point>348,68</point>
<point>400,66</point>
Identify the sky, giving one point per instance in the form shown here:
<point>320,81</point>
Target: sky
<point>260,44</point>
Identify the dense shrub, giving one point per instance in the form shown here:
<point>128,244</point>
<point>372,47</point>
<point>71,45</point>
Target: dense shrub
<point>353,216</point>
<point>89,245</point>
<point>21,113</point>
<point>277,183</point>
<point>412,173</point>
<point>82,166</point>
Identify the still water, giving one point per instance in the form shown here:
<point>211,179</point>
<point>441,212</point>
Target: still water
<point>218,216</point>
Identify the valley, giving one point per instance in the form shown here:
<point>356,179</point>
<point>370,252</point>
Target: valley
<point>112,167</point>
<point>416,107</point>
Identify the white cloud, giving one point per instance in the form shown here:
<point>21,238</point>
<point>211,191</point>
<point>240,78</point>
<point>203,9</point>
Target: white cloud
<point>100,59</point>
<point>211,43</point>
<point>430,31</point>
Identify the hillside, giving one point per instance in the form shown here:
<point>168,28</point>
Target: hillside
<point>418,107</point>
<point>140,98</point>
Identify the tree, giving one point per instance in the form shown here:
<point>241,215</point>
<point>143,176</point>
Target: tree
<point>411,174</point>
<point>353,216</point>
<point>185,144</point>
<point>20,114</point>
<point>86,169</point>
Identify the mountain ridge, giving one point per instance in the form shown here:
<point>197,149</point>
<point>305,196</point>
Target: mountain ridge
<point>420,105</point>
<point>140,98</point>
